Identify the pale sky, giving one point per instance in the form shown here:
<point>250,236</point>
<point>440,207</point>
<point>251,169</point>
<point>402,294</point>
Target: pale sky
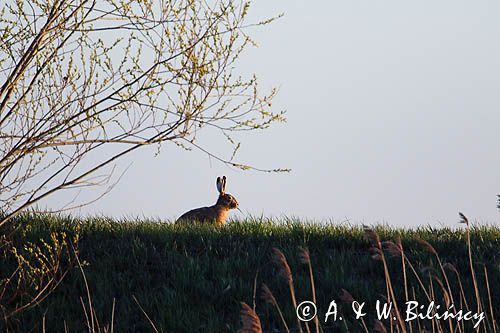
<point>393,116</point>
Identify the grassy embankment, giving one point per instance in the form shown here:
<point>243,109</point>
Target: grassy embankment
<point>193,278</point>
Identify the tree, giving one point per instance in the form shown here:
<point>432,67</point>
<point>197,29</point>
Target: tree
<point>93,80</point>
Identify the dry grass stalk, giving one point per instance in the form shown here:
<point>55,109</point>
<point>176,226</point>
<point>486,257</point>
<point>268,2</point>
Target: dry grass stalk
<point>447,300</point>
<point>378,326</point>
<point>268,297</point>
<point>396,250</point>
<point>463,300</point>
<point>113,316</point>
<point>464,219</point>
<point>448,292</point>
<point>399,245</point>
<point>286,272</point>
<point>419,326</point>
<point>94,322</point>
<point>426,245</point>
<point>378,251</point>
<point>373,237</point>
<point>392,248</point>
<point>305,258</point>
<point>493,323</point>
<point>145,314</point>
<point>249,319</point>
<point>347,298</point>
<point>436,325</point>
<point>417,276</point>
<point>255,289</point>
<point>431,288</point>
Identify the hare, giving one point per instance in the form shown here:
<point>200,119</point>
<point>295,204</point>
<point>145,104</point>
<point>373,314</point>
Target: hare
<point>214,214</point>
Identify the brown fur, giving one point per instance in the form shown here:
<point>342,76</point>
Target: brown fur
<point>214,214</point>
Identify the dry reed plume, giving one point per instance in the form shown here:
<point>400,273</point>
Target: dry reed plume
<point>433,282</point>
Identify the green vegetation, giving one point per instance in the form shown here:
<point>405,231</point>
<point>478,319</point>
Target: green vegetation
<point>193,278</point>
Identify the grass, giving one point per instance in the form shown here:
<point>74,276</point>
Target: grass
<point>145,275</point>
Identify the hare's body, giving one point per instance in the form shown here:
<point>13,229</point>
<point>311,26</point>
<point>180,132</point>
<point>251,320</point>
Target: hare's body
<point>214,214</point>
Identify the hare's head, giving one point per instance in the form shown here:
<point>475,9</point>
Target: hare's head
<point>225,199</point>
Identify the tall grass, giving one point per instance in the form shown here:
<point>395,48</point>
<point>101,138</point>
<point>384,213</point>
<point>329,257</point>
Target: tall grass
<point>431,282</point>
<point>147,275</point>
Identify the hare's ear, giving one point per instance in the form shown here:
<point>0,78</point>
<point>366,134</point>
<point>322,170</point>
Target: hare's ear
<point>223,184</point>
<point>220,185</point>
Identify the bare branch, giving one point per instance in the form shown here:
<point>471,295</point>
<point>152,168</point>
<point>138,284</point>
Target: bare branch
<point>162,72</point>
